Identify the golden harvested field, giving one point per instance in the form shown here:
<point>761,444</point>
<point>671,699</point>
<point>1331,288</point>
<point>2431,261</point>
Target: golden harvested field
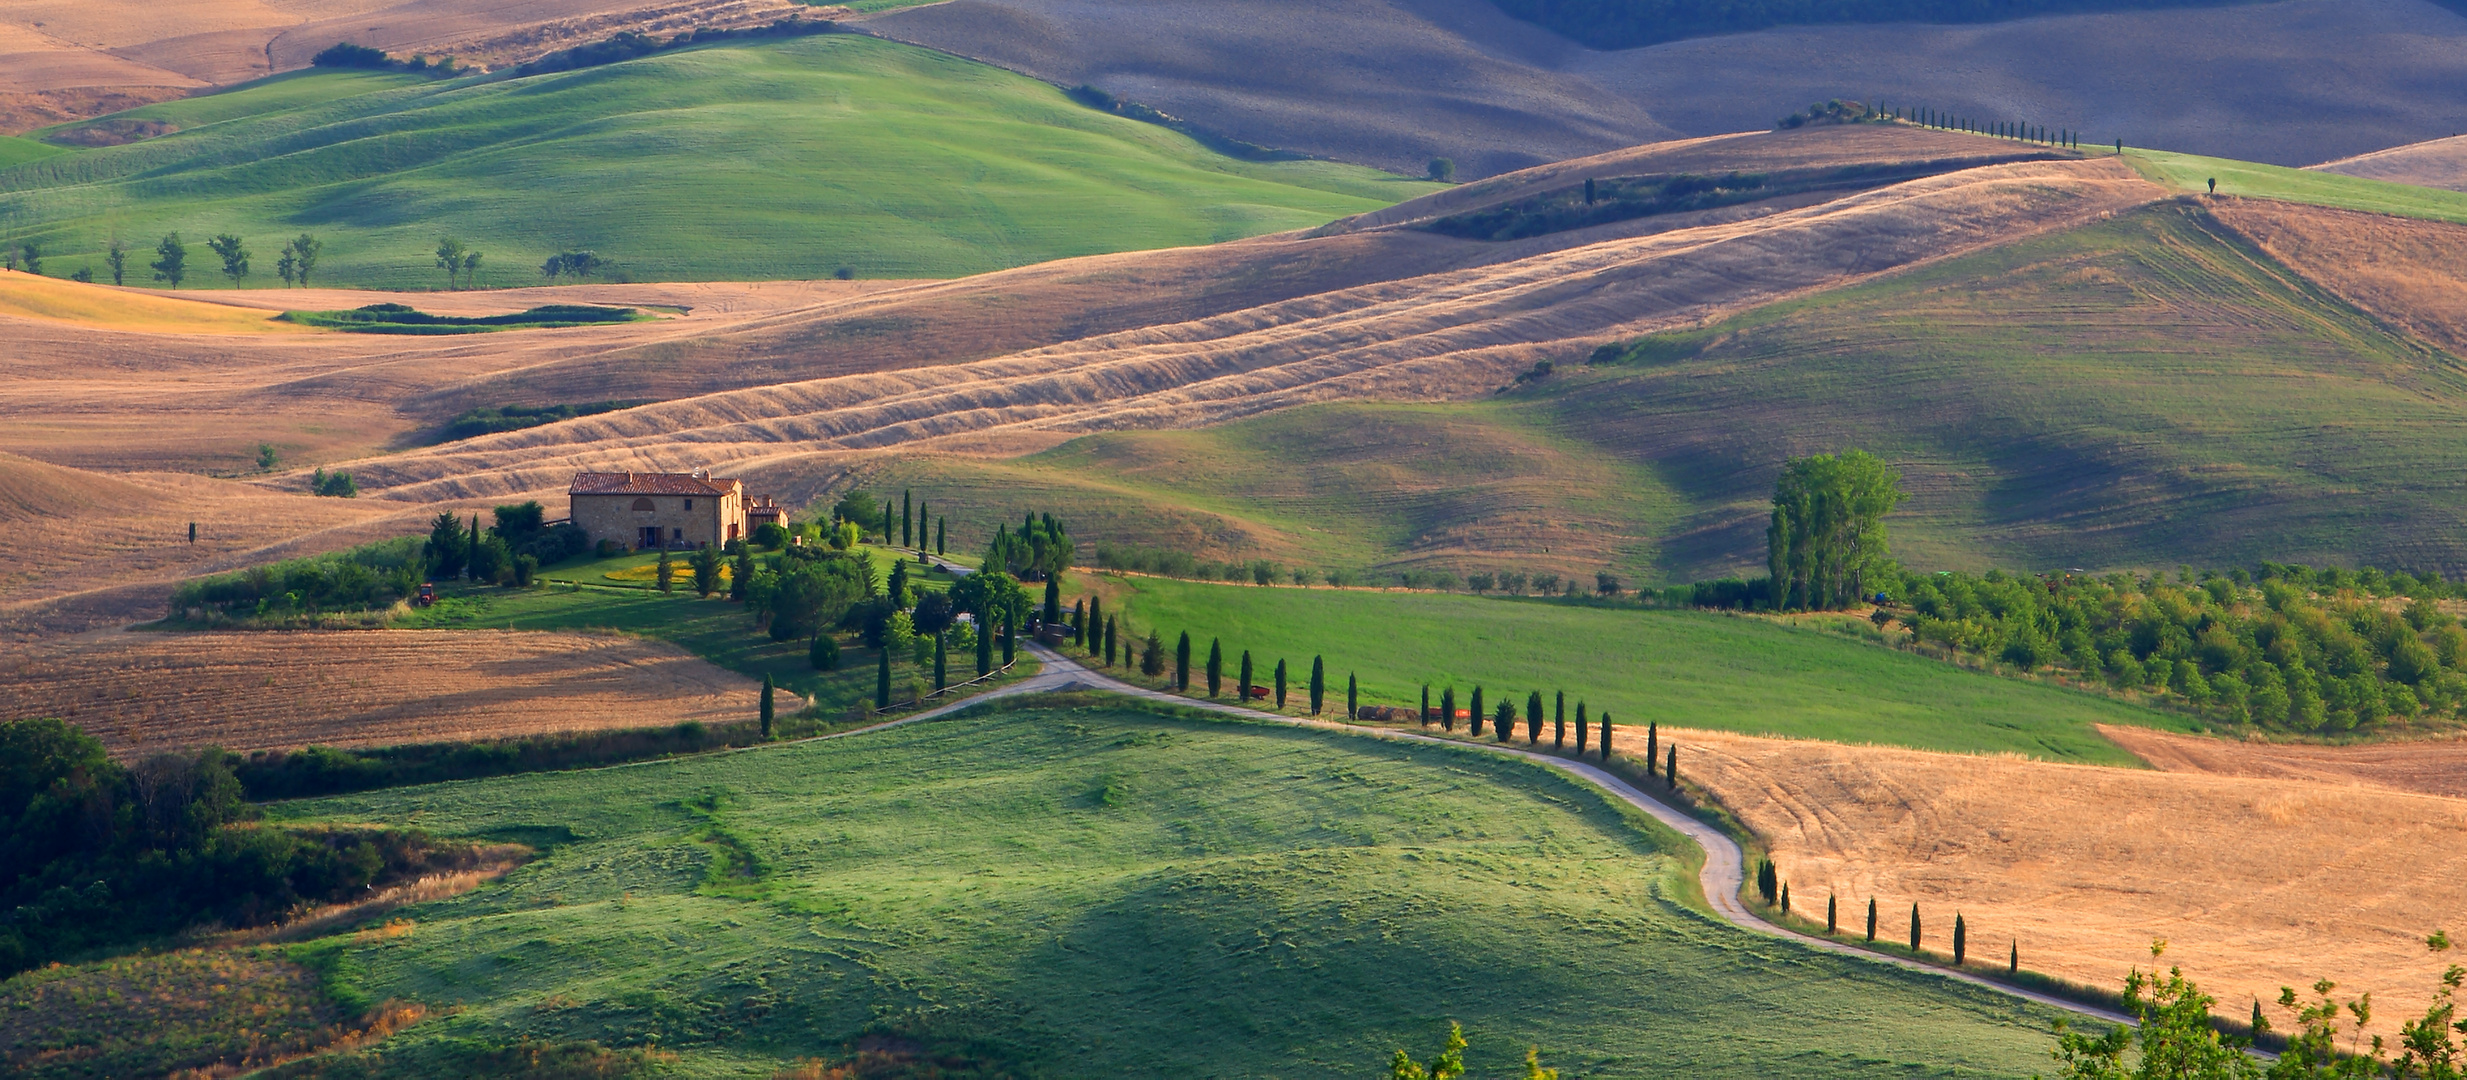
<point>143,692</point>
<point>2429,768</point>
<point>61,300</point>
<point>2254,883</point>
<point>2409,273</point>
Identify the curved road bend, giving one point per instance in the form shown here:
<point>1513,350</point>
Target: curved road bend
<point>1725,869</point>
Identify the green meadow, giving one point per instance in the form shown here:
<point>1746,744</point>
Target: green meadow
<point>1684,668</point>
<point>581,596</point>
<point>783,159</point>
<point>1086,888</point>
<point>2193,172</point>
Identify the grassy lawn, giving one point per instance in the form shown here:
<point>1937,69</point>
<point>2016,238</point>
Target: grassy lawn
<point>1689,669</point>
<point>782,159</point>
<point>2192,172</point>
<point>1104,891</point>
<point>581,595</point>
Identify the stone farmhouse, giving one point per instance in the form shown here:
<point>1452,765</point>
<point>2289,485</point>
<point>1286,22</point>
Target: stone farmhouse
<point>654,510</point>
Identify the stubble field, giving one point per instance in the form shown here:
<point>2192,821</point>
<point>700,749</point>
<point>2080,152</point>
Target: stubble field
<point>2254,883</point>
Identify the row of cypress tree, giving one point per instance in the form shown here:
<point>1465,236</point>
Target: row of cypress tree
<point>1776,892</point>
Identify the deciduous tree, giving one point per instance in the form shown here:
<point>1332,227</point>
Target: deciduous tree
<point>170,260</point>
<point>1827,533</point>
<point>234,255</point>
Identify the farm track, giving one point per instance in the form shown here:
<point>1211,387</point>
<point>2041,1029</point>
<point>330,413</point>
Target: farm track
<point>1722,878</point>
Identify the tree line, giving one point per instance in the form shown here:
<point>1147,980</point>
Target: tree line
<point>95,854</point>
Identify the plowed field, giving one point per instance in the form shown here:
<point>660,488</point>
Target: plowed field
<point>142,692</point>
<point>2254,883</point>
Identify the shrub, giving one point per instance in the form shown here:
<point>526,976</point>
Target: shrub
<point>823,653</point>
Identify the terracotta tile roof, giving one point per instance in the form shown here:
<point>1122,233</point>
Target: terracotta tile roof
<point>637,483</point>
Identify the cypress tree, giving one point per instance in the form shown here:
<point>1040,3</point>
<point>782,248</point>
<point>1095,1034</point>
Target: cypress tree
<point>1961,939</point>
<point>942,660</point>
<point>1653,745</point>
<point>1096,625</point>
<point>1560,710</point>
<point>1216,667</point>
<point>1871,920</point>
<point>1109,641</point>
<point>1533,718</point>
<point>1447,708</point>
<point>1670,767</point>
<point>1503,722</point>
<point>1353,697</point>
<point>1832,915</point>
<point>1475,713</point>
<point>1079,620</point>
<point>766,705</point>
<point>1768,882</point>
<point>1280,684</point>
<point>1182,663</point>
<point>1426,704</point>
<point>940,524</point>
<point>1319,685</point>
<point>1053,599</point>
<point>1914,927</point>
<point>1010,638</point>
<point>907,519</point>
<point>882,681</point>
<point>1785,898</point>
<point>925,524</point>
<point>1606,736</point>
<point>471,552</point>
<point>985,650</point>
<point>1580,727</point>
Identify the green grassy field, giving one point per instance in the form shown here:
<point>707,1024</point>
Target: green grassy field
<point>1096,891</point>
<point>2192,172</point>
<point>1684,668</point>
<point>16,151</point>
<point>784,159</point>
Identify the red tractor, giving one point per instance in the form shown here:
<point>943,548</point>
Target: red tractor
<point>426,596</point>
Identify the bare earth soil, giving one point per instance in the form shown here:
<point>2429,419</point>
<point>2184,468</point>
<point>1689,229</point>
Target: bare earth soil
<point>2429,768</point>
<point>1393,82</point>
<point>2440,163</point>
<point>2254,883</point>
<point>142,692</point>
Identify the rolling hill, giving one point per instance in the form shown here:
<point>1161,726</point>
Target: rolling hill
<point>2292,82</point>
<point>1093,889</point>
<point>784,159</point>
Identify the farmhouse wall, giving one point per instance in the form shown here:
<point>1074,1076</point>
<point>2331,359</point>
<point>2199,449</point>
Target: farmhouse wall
<point>712,519</point>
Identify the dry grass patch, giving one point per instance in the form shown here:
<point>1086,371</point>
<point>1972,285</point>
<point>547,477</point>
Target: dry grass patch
<point>144,692</point>
<point>2254,883</point>
<point>2440,163</point>
<point>2407,272</point>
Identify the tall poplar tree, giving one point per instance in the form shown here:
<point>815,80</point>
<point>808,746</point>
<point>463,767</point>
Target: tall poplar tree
<point>1827,534</point>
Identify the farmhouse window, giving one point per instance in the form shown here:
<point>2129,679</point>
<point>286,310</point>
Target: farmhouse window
<point>689,504</point>
<point>676,534</point>
<point>644,505</point>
